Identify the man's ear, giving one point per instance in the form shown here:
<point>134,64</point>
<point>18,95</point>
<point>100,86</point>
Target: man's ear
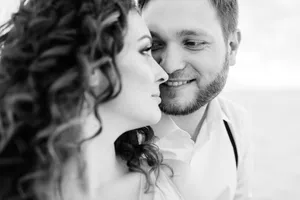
<point>234,40</point>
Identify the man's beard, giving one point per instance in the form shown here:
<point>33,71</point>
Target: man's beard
<point>203,96</point>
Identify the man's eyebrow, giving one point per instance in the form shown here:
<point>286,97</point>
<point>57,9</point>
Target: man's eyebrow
<point>191,32</point>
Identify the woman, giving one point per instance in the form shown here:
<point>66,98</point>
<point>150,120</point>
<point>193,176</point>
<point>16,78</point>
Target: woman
<point>74,76</point>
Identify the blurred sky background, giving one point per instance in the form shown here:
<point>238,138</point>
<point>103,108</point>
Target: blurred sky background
<point>269,53</point>
<point>266,81</point>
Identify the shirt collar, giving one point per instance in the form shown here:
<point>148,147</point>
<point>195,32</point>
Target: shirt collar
<point>215,113</point>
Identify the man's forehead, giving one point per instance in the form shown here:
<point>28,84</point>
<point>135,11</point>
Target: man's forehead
<point>181,32</point>
<point>180,5</point>
<point>178,10</point>
<point>180,17</point>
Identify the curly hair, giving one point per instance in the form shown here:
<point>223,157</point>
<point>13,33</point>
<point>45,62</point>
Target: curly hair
<point>48,49</point>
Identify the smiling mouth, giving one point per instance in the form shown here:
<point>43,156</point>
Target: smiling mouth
<point>178,83</point>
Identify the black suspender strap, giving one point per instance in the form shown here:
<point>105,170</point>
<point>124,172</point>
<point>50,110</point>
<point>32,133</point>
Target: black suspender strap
<point>232,143</point>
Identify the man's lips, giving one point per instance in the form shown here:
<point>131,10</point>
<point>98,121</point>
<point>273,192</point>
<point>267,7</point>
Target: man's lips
<point>177,83</point>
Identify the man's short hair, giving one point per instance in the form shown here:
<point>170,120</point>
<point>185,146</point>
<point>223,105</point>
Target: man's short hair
<point>227,12</point>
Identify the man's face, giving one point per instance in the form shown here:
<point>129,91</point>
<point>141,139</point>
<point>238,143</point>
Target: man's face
<point>188,43</point>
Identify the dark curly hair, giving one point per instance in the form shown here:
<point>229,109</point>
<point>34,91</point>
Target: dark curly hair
<point>48,49</point>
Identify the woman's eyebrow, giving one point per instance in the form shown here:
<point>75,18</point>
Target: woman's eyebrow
<point>145,37</point>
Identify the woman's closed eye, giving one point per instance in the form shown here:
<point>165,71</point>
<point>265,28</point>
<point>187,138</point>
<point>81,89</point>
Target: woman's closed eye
<point>146,50</point>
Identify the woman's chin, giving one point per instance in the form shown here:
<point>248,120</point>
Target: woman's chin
<point>145,118</point>
<point>154,118</point>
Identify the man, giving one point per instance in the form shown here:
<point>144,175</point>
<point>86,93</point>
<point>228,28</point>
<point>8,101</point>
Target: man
<point>202,136</point>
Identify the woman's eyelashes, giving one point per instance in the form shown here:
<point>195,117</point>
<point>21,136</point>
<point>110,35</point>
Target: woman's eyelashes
<point>146,50</point>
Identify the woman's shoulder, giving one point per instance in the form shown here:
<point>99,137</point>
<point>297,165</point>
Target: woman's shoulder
<point>163,187</point>
<point>166,187</point>
<point>132,186</point>
<point>128,186</point>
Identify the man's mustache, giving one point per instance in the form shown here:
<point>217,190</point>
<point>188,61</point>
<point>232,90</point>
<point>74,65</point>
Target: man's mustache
<point>181,74</point>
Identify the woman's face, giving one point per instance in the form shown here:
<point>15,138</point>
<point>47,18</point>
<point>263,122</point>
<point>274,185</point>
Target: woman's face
<point>140,76</point>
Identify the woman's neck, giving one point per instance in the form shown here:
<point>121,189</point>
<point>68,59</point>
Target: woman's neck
<point>102,163</point>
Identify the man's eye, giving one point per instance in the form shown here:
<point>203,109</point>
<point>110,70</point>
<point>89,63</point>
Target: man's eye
<point>195,45</point>
<point>157,46</point>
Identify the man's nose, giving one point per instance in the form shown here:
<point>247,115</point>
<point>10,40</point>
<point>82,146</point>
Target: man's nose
<point>172,59</point>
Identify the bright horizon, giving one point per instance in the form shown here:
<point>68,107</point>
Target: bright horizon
<point>267,58</point>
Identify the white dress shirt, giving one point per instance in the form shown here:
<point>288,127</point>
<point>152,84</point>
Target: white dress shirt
<point>206,169</point>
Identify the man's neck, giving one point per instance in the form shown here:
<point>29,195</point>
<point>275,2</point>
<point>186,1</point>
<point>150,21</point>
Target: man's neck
<point>191,123</point>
